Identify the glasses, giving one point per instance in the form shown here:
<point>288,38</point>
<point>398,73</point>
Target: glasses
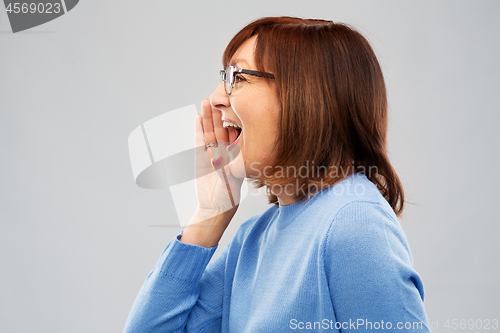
<point>228,75</point>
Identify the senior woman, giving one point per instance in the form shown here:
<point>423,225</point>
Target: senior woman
<point>303,104</point>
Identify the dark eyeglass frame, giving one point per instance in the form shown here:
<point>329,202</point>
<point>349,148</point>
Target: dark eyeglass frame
<point>235,70</point>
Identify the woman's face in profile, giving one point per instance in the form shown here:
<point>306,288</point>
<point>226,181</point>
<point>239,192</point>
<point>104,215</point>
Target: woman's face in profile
<point>253,105</point>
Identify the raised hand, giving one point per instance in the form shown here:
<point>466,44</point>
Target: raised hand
<point>219,174</point>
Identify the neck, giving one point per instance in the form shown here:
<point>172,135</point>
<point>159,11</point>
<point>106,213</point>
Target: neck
<point>284,194</point>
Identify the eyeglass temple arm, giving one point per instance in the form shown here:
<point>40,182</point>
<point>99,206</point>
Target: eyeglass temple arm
<point>256,73</point>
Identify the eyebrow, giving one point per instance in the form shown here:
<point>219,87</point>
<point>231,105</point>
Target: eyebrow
<point>235,61</point>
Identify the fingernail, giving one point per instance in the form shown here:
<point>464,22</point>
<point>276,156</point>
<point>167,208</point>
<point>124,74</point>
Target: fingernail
<point>231,147</point>
<point>217,161</point>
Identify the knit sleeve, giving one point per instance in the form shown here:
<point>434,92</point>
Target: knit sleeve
<point>370,273</point>
<point>170,298</point>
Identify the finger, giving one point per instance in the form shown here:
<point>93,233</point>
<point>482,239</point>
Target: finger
<point>221,133</point>
<point>208,125</point>
<point>222,174</point>
<point>199,139</point>
<point>202,162</point>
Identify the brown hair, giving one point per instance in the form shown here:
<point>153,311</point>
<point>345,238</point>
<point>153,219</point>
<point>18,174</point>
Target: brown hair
<point>333,103</point>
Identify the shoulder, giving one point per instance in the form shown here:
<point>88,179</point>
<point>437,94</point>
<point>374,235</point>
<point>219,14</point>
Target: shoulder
<point>366,245</point>
<point>358,218</point>
<point>367,258</point>
<point>366,230</point>
<point>353,198</point>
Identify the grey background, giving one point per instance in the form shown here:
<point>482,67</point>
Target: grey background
<point>76,241</point>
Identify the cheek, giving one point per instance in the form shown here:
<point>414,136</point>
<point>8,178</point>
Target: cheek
<point>259,117</point>
<point>261,126</point>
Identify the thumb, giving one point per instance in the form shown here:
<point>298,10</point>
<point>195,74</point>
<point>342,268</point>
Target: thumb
<point>224,174</point>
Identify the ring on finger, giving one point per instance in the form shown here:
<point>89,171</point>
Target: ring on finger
<point>211,144</point>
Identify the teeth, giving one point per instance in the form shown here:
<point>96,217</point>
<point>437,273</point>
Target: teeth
<point>226,124</point>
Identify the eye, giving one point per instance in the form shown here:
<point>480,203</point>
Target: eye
<point>240,78</point>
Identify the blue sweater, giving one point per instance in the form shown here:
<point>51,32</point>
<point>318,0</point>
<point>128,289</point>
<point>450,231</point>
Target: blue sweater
<point>339,263</point>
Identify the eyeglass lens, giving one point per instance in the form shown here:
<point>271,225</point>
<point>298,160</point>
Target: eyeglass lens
<point>228,84</point>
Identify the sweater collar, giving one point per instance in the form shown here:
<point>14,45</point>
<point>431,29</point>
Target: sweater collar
<point>289,213</point>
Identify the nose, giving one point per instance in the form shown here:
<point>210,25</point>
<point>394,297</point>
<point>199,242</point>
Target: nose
<point>219,99</point>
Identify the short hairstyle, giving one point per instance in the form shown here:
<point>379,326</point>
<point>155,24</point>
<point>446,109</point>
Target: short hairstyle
<point>333,105</point>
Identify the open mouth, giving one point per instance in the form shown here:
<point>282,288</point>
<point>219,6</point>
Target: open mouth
<point>238,130</point>
<point>233,130</point>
